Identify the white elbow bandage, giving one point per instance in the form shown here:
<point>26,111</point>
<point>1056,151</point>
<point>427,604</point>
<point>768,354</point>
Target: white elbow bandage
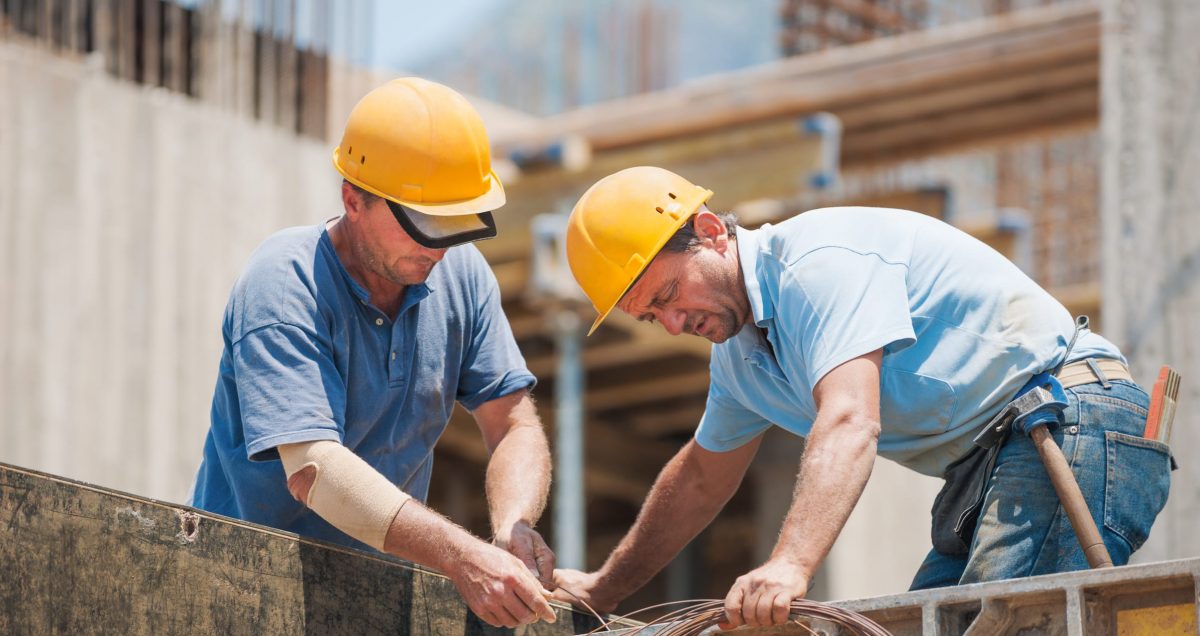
<point>346,491</point>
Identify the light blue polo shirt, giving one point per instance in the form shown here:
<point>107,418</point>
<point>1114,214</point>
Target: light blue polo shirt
<point>961,328</point>
<point>308,357</point>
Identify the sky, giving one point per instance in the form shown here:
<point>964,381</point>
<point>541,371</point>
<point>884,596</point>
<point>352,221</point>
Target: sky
<point>407,31</point>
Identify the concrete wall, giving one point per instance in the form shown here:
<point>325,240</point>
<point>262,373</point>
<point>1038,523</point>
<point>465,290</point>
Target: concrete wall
<point>1150,210</point>
<point>125,215</point>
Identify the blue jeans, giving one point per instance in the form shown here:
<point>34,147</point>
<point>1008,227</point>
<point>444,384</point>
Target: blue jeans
<point>1023,531</point>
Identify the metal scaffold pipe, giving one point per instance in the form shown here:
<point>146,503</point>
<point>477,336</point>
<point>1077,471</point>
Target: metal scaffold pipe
<point>569,514</point>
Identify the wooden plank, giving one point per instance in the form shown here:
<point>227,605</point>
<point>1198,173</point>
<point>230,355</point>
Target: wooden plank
<point>648,390</point>
<point>92,560</point>
<point>922,137</point>
<point>609,478</point>
<point>616,354</point>
<point>905,64</point>
<point>969,95</point>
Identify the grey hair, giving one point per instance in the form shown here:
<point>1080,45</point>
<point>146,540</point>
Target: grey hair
<point>685,240</point>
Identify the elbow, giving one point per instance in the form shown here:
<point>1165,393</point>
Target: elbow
<point>853,430</point>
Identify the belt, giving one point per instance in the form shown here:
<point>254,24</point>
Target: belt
<point>1035,404</point>
<point>1091,370</point>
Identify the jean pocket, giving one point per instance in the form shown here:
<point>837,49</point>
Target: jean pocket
<point>1136,485</point>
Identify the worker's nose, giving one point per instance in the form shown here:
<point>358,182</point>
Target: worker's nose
<point>673,321</point>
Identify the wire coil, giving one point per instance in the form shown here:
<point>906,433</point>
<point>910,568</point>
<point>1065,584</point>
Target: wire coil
<point>696,616</point>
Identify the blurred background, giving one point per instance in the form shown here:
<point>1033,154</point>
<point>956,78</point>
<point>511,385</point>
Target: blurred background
<point>147,147</point>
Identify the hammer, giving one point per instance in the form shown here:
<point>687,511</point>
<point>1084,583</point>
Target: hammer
<point>1037,407</point>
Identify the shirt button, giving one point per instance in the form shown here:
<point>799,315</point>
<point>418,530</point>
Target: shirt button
<point>379,321</point>
<point>393,355</point>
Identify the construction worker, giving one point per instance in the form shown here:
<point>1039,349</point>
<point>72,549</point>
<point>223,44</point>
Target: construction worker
<point>865,331</point>
<point>347,344</point>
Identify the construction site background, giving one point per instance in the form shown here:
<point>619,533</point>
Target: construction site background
<point>146,148</point>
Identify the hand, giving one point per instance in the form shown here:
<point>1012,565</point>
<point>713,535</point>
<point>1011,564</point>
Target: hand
<point>573,586</point>
<point>499,588</point>
<point>527,545</point>
<point>763,596</point>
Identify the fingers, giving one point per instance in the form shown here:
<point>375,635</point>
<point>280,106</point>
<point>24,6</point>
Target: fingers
<point>495,615</point>
<point>781,609</point>
<point>536,603</point>
<point>545,561</point>
<point>733,606</point>
<point>757,608</point>
<point>502,592</point>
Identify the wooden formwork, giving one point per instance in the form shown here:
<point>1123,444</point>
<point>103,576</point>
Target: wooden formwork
<point>81,559</point>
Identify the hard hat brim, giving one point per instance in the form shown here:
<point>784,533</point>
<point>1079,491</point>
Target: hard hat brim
<point>489,201</point>
<point>699,198</point>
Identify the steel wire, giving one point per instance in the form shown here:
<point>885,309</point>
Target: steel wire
<point>699,615</point>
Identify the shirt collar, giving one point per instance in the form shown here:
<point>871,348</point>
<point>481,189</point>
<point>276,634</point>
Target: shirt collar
<point>749,246</point>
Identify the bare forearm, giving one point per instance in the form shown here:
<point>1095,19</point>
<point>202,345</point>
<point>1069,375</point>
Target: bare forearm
<point>421,535</point>
<point>518,477</point>
<point>834,471</point>
<point>678,507</point>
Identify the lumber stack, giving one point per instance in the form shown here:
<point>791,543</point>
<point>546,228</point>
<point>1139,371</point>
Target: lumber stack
<point>902,96</point>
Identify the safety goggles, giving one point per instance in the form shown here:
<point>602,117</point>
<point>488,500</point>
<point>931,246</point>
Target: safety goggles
<point>438,232</point>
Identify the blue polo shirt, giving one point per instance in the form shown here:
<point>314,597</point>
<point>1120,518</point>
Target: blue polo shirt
<point>961,328</point>
<point>307,357</point>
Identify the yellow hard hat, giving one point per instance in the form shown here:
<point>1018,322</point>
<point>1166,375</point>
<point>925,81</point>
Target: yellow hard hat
<point>422,147</point>
<point>620,224</point>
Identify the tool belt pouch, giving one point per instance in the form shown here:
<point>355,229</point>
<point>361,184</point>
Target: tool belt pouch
<point>957,506</point>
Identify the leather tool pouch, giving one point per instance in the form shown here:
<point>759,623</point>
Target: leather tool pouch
<point>957,506</point>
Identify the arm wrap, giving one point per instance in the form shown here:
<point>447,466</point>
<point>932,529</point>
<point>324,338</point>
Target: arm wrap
<point>346,491</point>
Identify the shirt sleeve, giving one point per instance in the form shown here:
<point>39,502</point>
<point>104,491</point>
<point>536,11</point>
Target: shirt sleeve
<point>837,304</point>
<point>726,423</point>
<point>289,390</point>
<point>492,365</point>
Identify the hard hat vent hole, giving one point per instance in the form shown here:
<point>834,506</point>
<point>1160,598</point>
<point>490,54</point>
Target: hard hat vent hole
<point>660,210</point>
<point>362,159</point>
<point>670,194</point>
<point>350,150</point>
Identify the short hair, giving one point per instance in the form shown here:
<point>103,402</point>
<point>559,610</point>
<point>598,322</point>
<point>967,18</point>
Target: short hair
<point>366,197</point>
<point>685,240</point>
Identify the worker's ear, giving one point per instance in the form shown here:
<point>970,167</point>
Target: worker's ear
<point>710,229</point>
<point>351,200</point>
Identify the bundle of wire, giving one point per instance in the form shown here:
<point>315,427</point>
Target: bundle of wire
<point>697,616</point>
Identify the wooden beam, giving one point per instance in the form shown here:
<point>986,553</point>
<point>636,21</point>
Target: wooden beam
<point>661,422</point>
<point>922,137</point>
<point>609,478</point>
<point>983,50</point>
<point>616,354</point>
<point>1081,299</point>
<point>647,390</point>
<point>971,94</point>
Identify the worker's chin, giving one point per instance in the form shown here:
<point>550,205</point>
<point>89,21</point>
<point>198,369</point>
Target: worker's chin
<point>414,274</point>
<point>716,334</point>
<point>717,338</point>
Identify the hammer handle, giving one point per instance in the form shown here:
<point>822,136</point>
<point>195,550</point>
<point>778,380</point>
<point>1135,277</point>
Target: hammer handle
<point>1071,498</point>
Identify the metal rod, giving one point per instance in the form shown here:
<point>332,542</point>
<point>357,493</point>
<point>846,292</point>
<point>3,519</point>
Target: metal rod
<point>569,512</point>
